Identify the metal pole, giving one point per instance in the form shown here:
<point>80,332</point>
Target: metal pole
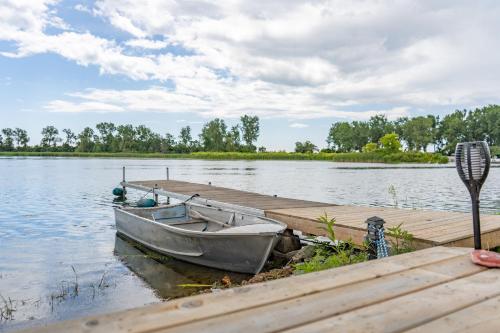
<point>475,220</point>
<point>123,181</point>
<point>168,178</point>
<point>155,194</point>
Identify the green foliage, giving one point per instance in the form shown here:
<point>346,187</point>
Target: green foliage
<point>390,144</point>
<point>320,262</point>
<point>49,136</point>
<point>495,151</point>
<point>402,157</point>
<point>401,241</point>
<point>250,128</point>
<point>370,147</point>
<point>330,256</point>
<point>306,147</point>
<point>328,226</point>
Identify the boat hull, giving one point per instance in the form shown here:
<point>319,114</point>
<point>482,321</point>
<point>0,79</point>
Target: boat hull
<point>207,249</point>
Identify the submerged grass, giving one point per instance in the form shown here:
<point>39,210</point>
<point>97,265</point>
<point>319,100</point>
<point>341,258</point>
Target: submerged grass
<point>372,157</point>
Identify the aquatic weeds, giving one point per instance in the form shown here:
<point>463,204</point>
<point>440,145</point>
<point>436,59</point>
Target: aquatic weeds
<point>75,286</point>
<point>394,195</point>
<point>7,309</point>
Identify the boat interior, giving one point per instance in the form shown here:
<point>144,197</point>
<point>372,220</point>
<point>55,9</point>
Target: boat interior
<point>205,219</point>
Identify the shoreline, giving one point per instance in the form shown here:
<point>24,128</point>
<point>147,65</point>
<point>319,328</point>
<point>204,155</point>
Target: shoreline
<point>396,158</point>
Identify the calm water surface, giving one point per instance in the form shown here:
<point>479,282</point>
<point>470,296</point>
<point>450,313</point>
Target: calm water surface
<point>57,224</point>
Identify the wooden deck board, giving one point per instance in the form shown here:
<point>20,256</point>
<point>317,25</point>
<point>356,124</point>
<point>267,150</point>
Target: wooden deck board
<point>429,228</point>
<point>432,290</point>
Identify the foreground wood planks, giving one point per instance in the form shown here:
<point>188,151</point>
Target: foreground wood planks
<point>436,289</point>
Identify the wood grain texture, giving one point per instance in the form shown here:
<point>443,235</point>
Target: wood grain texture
<point>348,287</point>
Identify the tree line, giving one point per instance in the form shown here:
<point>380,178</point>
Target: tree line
<point>412,134</point>
<point>418,133</point>
<point>108,137</point>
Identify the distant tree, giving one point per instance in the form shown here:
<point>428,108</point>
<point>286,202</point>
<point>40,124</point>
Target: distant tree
<point>8,141</point>
<point>213,135</point>
<point>125,138</point>
<point>360,134</point>
<point>453,129</point>
<point>419,132</point>
<point>379,126</point>
<point>70,140</point>
<point>340,137</point>
<point>21,138</point>
<point>185,140</point>
<point>106,136</point>
<point>49,137</point>
<point>262,149</point>
<point>233,139</point>
<point>168,144</point>
<point>305,147</point>
<point>389,143</point>
<point>250,128</point>
<point>86,140</point>
<point>146,140</point>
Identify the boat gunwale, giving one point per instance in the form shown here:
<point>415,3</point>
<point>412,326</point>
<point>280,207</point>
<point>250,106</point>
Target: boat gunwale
<point>210,234</point>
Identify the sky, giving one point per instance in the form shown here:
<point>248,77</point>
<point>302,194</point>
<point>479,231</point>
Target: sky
<point>298,65</point>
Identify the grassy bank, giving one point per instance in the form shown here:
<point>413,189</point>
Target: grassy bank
<point>401,157</point>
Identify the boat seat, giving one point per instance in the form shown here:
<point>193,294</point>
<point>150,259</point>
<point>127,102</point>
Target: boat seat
<point>252,228</point>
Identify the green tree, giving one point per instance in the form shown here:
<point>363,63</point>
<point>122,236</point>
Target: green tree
<point>379,126</point>
<point>49,137</point>
<point>340,137</point>
<point>453,129</point>
<point>305,147</point>
<point>106,136</point>
<point>8,142</point>
<point>70,140</point>
<point>21,138</point>
<point>213,135</point>
<point>168,143</point>
<point>360,134</point>
<point>185,140</point>
<point>389,143</point>
<point>233,139</point>
<point>125,138</point>
<point>419,132</point>
<point>86,140</point>
<point>250,129</point>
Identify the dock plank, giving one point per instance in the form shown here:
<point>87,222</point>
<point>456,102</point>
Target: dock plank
<point>196,308</point>
<point>414,309</point>
<point>429,228</point>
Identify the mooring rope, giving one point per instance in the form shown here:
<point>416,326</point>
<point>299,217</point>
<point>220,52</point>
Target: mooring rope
<point>381,245</point>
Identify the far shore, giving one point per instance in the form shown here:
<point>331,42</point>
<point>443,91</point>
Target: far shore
<point>400,157</point>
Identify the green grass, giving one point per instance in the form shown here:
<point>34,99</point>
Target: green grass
<point>373,157</point>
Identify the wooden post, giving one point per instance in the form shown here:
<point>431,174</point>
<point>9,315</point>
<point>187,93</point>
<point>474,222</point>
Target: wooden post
<point>168,176</point>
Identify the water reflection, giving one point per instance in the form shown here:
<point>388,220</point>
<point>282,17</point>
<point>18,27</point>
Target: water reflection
<point>164,274</point>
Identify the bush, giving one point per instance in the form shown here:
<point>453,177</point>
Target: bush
<point>370,147</point>
<point>390,144</point>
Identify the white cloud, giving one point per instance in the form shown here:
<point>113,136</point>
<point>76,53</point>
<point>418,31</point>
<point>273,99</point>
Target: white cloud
<point>300,59</point>
<point>298,125</point>
<point>147,44</point>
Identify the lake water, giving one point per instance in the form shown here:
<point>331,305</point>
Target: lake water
<point>57,225</point>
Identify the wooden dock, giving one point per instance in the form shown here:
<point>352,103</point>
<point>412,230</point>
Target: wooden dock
<point>429,228</point>
<point>432,290</point>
